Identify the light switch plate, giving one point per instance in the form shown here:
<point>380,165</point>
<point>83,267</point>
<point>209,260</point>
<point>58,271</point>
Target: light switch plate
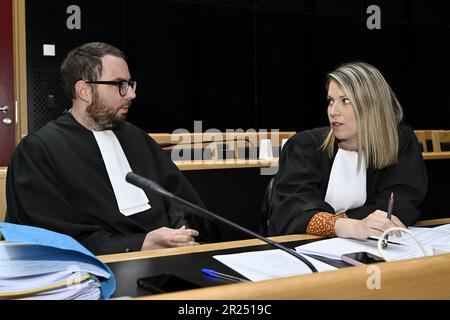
<point>49,50</point>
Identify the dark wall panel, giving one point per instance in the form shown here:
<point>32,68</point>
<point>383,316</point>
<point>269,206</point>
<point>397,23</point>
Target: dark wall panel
<point>157,43</point>
<point>222,73</point>
<point>345,8</point>
<point>430,58</point>
<point>245,64</point>
<point>336,41</point>
<point>390,50</point>
<point>427,14</point>
<point>46,24</point>
<point>283,79</point>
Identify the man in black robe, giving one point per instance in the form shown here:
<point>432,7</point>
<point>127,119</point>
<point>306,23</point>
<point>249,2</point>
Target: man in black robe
<point>69,176</point>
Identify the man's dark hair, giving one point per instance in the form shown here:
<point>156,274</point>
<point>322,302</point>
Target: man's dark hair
<point>85,63</point>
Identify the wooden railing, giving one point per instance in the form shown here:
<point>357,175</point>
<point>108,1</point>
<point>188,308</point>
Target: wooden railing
<point>427,138</point>
<point>210,140</point>
<point>435,138</point>
<point>221,137</point>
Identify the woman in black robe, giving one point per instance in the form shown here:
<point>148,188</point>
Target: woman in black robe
<point>377,156</point>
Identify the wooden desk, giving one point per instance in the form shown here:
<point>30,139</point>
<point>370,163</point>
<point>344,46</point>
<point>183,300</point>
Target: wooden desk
<point>424,278</point>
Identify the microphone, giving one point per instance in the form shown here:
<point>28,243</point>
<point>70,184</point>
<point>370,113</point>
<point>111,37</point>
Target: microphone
<point>145,183</point>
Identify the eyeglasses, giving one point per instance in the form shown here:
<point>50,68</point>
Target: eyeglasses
<point>122,84</point>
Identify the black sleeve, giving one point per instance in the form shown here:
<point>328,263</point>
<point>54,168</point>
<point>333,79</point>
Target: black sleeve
<point>36,197</point>
<point>172,179</point>
<point>297,195</point>
<point>407,180</point>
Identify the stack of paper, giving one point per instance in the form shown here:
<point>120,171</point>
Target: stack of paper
<point>41,264</point>
<point>407,248</point>
<point>270,264</point>
<point>427,236</point>
<point>336,247</point>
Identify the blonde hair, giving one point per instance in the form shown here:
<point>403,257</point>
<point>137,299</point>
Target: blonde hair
<point>377,112</point>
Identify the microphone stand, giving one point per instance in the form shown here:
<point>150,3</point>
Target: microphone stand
<point>145,183</point>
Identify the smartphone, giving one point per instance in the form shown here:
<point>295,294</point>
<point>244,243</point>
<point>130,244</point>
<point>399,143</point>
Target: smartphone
<point>361,258</point>
<point>166,282</point>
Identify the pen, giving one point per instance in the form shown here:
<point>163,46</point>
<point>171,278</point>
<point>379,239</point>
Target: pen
<point>389,241</point>
<point>219,275</point>
<point>389,215</point>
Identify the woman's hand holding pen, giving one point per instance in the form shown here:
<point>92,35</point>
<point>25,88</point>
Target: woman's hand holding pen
<point>373,225</point>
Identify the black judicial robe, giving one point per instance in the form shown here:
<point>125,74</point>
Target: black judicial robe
<point>57,180</point>
<point>301,183</point>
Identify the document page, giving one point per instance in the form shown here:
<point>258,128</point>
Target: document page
<point>336,247</point>
<point>269,264</point>
<point>427,236</point>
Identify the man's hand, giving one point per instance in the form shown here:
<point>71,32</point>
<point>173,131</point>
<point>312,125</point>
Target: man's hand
<point>168,238</point>
<point>373,225</point>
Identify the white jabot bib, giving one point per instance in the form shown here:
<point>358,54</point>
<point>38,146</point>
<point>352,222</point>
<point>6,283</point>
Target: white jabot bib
<point>346,186</point>
<point>130,199</point>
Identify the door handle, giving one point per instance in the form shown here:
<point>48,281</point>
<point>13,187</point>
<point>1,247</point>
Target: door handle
<point>7,121</point>
<point>4,109</point>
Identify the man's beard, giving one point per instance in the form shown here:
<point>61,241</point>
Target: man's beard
<point>102,117</point>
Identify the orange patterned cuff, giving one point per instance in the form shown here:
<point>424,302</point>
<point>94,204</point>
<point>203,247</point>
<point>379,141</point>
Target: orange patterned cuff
<point>322,224</point>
